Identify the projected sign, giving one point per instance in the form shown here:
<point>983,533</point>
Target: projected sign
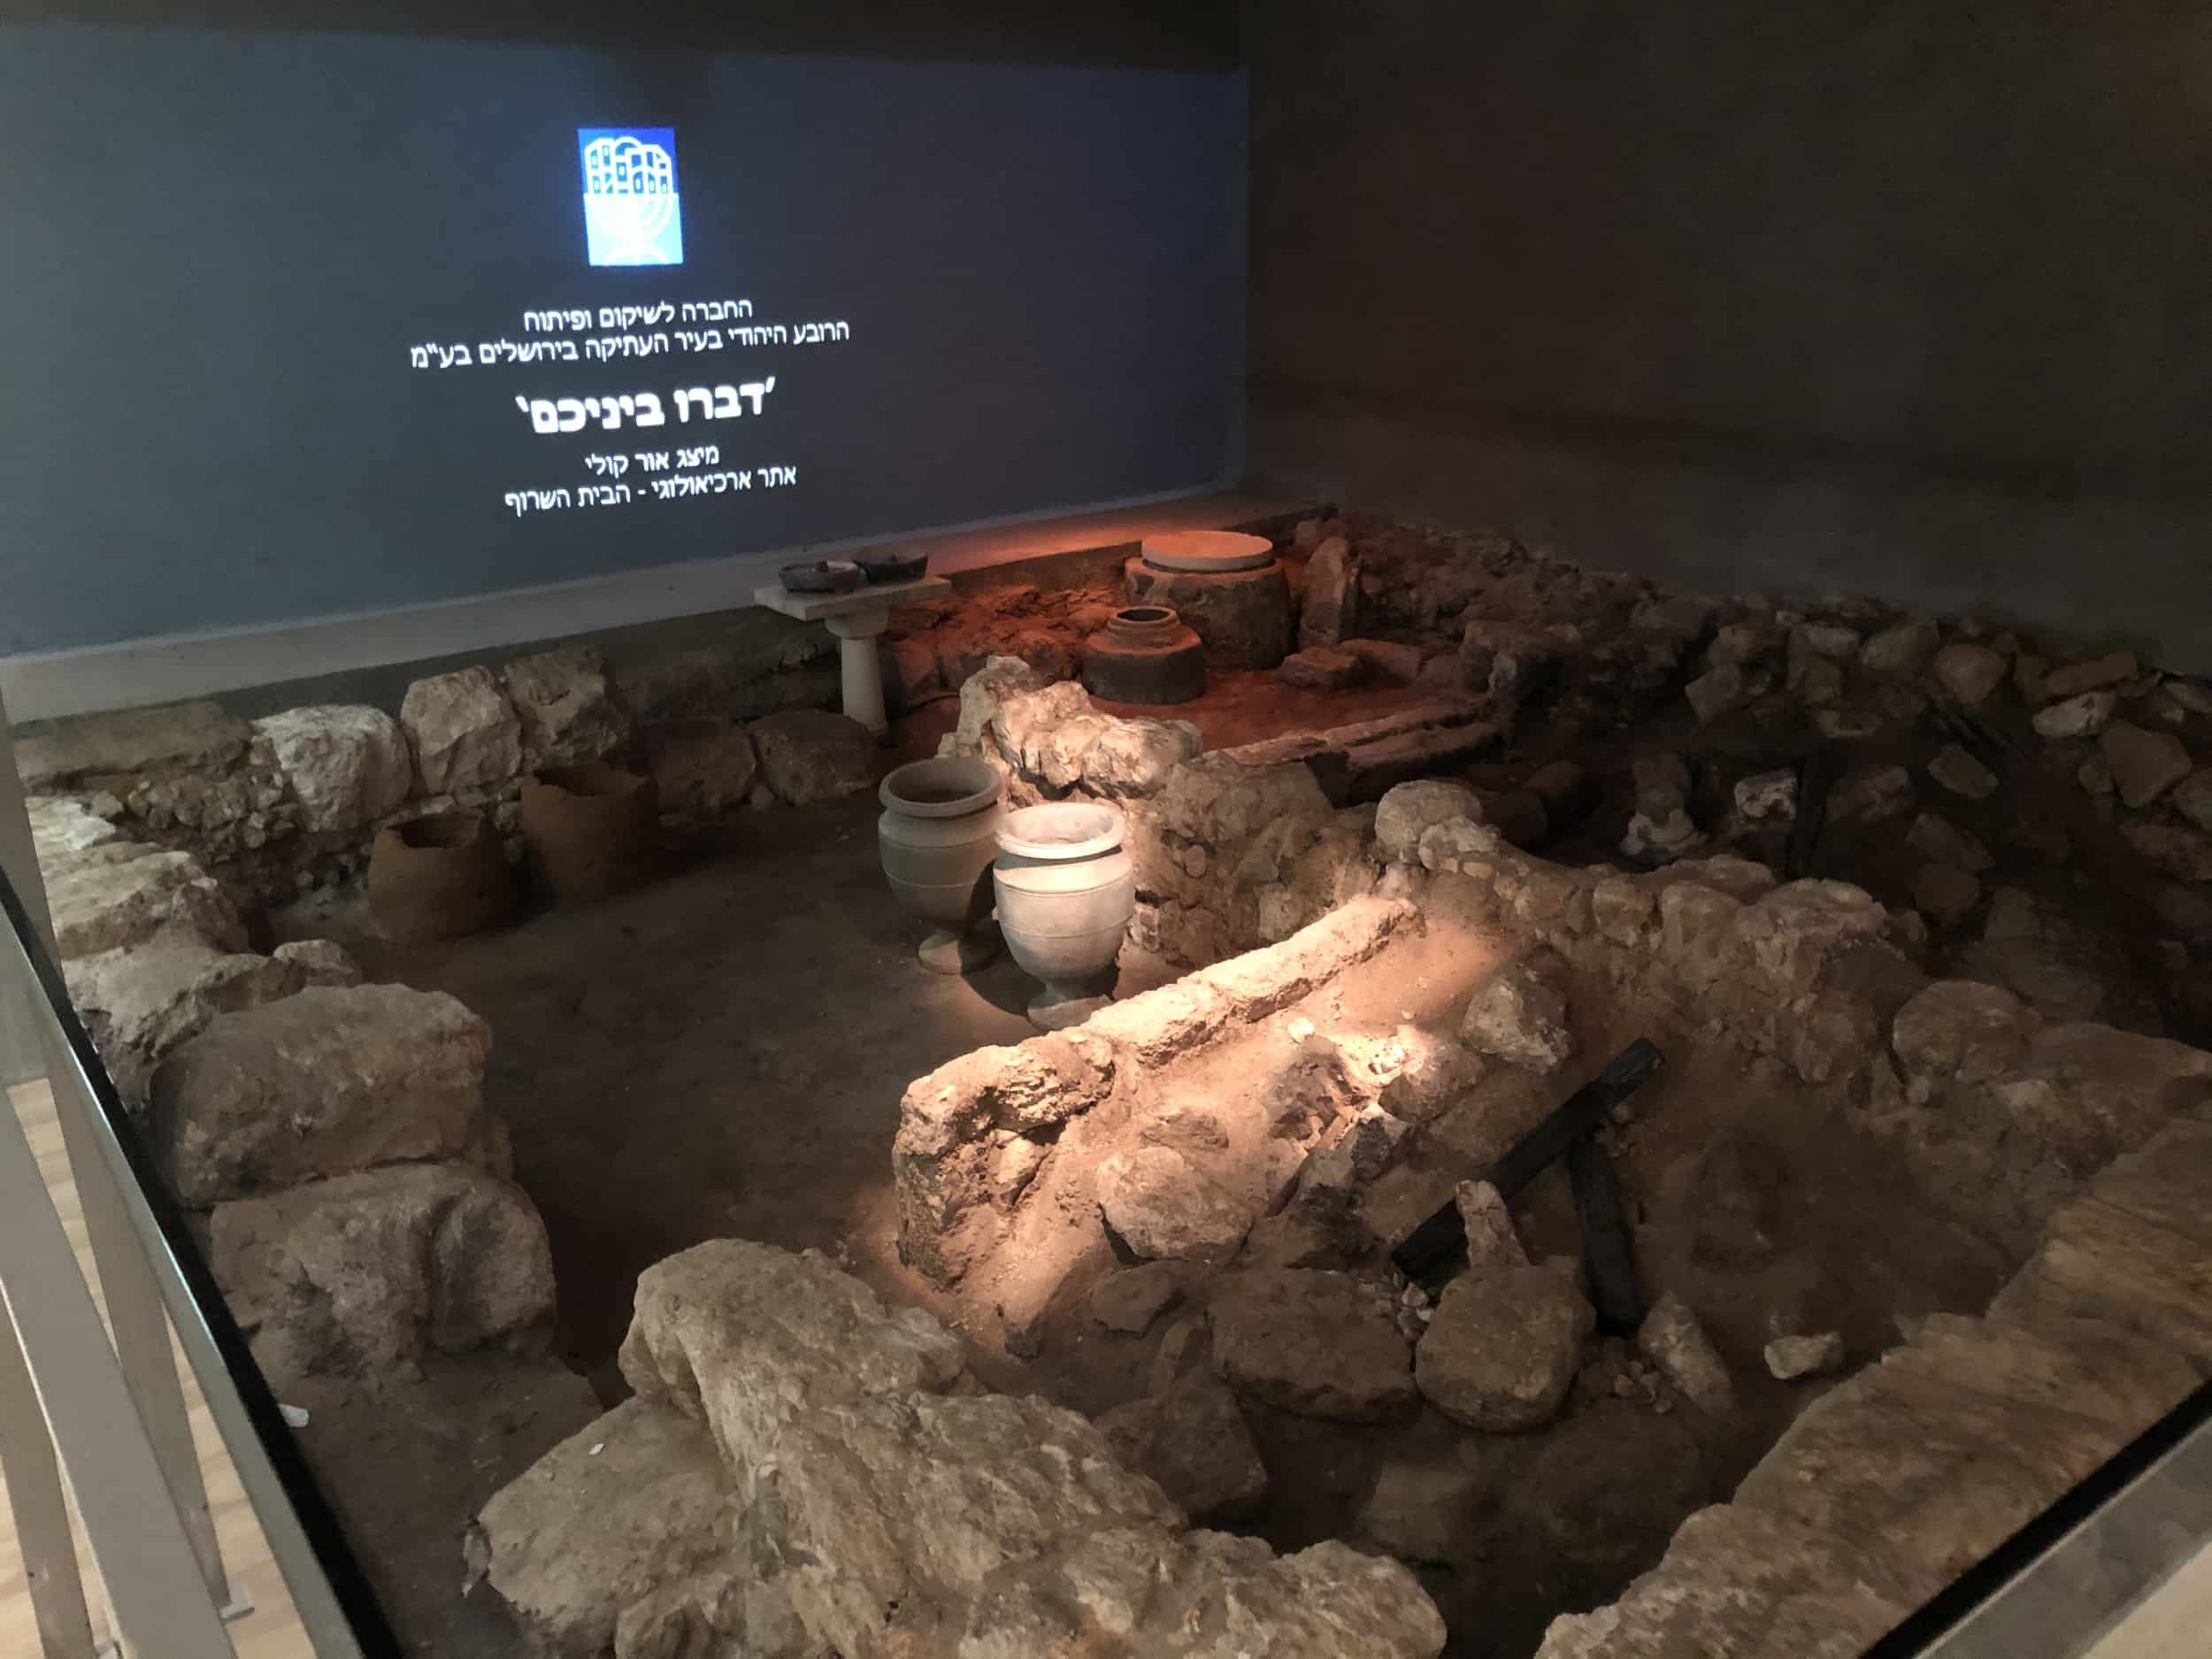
<point>632,212</point>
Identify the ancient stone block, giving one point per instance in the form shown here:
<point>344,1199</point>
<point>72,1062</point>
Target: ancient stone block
<point>1672,1339</point>
<point>809,755</point>
<point>465,733</point>
<point>364,1274</point>
<point>1422,1511</point>
<point>1156,1202</point>
<point>322,1083</point>
<point>1520,1015</point>
<point>1961,774</point>
<point>1407,811</point>
<point>744,1336</point>
<point>704,769</point>
<point>1328,605</point>
<point>1312,1342</point>
<point>568,706</point>
<point>1503,1348</point>
<point>630,1502</point>
<point>1192,1439</point>
<point>1958,1027</point>
<point>1968,673</point>
<point>175,739</point>
<point>348,766</point>
<point>2083,716</point>
<point>124,895</point>
<point>2145,764</point>
<point>1320,668</point>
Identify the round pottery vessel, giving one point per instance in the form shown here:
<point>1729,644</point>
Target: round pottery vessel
<point>1145,654</point>
<point>440,876</point>
<point>590,831</point>
<point>881,569</point>
<point>1206,550</point>
<point>937,837</point>
<point>1066,890</point>
<point>824,576</point>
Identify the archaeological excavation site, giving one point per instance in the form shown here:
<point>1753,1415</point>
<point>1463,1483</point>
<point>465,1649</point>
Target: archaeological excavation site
<point>1191,833</point>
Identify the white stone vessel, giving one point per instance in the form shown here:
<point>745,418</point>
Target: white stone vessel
<point>1066,890</point>
<point>937,837</point>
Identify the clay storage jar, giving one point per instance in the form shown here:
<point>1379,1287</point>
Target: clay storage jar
<point>937,837</point>
<point>1066,890</point>
<point>1145,654</point>
<point>440,877</point>
<point>590,831</point>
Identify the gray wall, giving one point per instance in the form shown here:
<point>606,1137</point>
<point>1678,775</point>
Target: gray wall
<point>1902,297</point>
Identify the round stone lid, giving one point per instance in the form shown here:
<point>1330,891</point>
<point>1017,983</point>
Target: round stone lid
<point>1206,550</point>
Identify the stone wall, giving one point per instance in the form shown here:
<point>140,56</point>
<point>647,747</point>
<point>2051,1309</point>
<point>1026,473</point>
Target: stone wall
<point>804,1471</point>
<point>1904,1475</point>
<point>330,1137</point>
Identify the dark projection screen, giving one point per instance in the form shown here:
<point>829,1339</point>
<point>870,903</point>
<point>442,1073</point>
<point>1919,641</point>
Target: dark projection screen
<point>308,324</point>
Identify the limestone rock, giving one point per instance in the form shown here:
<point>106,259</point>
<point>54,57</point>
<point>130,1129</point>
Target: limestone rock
<point>177,739</point>
<point>2145,764</point>
<point>746,1336</point>
<point>1204,1595</point>
<point>124,895</point>
<point>1871,794</point>
<point>1456,844</point>
<point>1310,1342</point>
<point>325,1082</point>
<point>630,1502</point>
<point>1386,662</point>
<point>2192,798</point>
<point>1968,673</point>
<point>1422,1511</point>
<point>1192,1441</point>
<point>1945,893</point>
<point>1767,796</point>
<point>1328,607</point>
<point>1520,1017</point>
<point>318,962</point>
<point>1503,1348</point>
<point>1938,838</point>
<point>363,1274</point>
<point>465,733</point>
<point>2185,854</point>
<point>704,769</point>
<point>1320,668</point>
<point>998,1481</point>
<point>63,827</point>
<point>1790,1358</point>
<point>348,766</point>
<point>1961,774</point>
<point>1407,811</point>
<point>1716,692</point>
<point>2083,716</point>
<point>809,755</point>
<point>2112,669</point>
<point>1903,649</point>
<point>140,1002</point>
<point>1133,1299</point>
<point>1437,1072</point>
<point>1156,1202</point>
<point>1672,1339</point>
<point>1135,759</point>
<point>1960,1028</point>
<point>568,707</point>
<point>1492,1242</point>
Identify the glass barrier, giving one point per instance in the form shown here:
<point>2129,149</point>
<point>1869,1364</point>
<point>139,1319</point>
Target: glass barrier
<point>94,1412</point>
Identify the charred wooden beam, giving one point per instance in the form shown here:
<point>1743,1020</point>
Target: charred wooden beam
<point>1814,778</point>
<point>1428,1252</point>
<point>1609,1250</point>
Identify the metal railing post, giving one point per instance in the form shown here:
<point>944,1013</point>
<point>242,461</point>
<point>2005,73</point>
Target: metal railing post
<point>147,1563</point>
<point>42,1533</point>
<point>18,861</point>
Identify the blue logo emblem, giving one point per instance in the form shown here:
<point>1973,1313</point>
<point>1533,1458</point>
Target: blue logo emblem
<point>632,213</point>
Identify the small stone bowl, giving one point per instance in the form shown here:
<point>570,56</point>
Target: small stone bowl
<point>882,569</point>
<point>824,576</point>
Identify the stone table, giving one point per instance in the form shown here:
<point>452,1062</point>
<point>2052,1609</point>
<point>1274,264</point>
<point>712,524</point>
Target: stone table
<point>856,618</point>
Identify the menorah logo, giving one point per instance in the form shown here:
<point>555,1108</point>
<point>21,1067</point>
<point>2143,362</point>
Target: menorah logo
<point>632,212</point>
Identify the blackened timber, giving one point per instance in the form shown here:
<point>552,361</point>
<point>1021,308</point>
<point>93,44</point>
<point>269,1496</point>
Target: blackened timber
<point>1814,778</point>
<point>1427,1253</point>
<point>1607,1249</point>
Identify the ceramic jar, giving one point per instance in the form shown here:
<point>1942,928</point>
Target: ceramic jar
<point>590,831</point>
<point>440,877</point>
<point>1144,654</point>
<point>937,837</point>
<point>1066,890</point>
